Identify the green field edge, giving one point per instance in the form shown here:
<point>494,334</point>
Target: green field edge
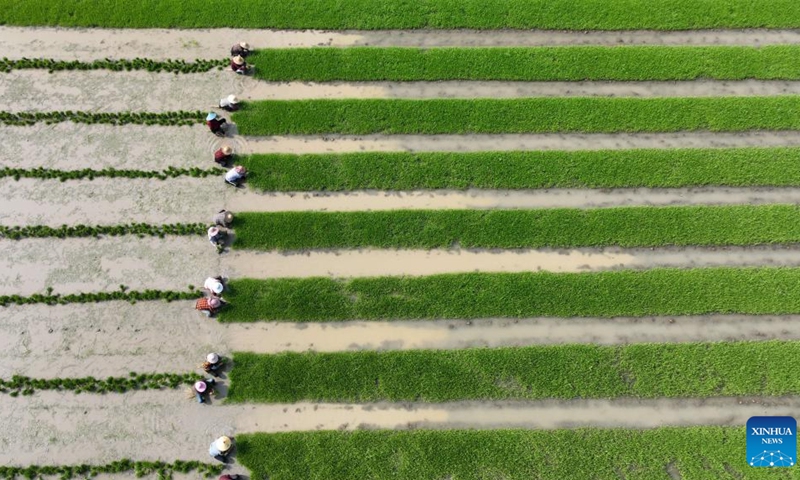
<point>641,226</point>
<point>518,170</point>
<point>697,453</point>
<point>519,115</point>
<point>408,14</point>
<point>563,63</point>
<point>625,293</point>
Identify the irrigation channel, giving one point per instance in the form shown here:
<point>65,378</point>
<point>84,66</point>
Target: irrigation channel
<point>114,338</point>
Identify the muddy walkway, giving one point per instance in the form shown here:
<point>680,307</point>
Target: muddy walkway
<point>270,337</point>
<point>71,146</point>
<point>499,89</point>
<point>375,262</point>
<point>506,199</point>
<point>65,428</point>
<point>473,142</point>
<point>90,44</point>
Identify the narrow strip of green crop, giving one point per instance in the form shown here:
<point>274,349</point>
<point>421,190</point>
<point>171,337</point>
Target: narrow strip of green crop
<point>174,66</point>
<point>557,228</point>
<point>124,118</point>
<point>91,174</point>
<point>66,231</point>
<point>135,381</point>
<point>50,298</point>
<point>696,453</point>
<point>400,14</point>
<point>667,168</point>
<point>164,470</point>
<point>626,293</point>
<point>523,115</point>
<point>522,373</point>
<point>570,63</point>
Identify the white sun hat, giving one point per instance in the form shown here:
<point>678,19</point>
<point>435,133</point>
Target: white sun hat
<point>212,358</point>
<point>232,99</point>
<point>213,231</point>
<point>223,444</point>
<point>213,302</point>
<point>217,288</point>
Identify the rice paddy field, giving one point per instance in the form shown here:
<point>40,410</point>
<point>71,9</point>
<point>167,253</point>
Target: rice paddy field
<point>516,239</point>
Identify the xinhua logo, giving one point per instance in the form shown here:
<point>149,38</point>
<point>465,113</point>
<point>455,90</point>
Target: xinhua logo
<point>771,442</point>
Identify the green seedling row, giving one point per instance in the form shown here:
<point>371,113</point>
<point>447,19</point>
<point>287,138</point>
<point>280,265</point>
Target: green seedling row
<point>91,174</point>
<point>625,293</point>
<point>140,229</point>
<point>163,470</point>
<point>522,115</point>
<point>520,373</point>
<point>135,381</point>
<point>570,63</point>
<point>123,294</point>
<point>668,168</point>
<point>408,14</point>
<point>696,453</point>
<point>646,226</point>
<point>174,66</point>
<point>125,118</point>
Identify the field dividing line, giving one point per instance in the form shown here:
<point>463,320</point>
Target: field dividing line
<point>545,415</point>
<point>334,143</point>
<point>186,44</point>
<point>354,201</point>
<point>276,337</point>
<point>501,89</point>
<point>377,263</point>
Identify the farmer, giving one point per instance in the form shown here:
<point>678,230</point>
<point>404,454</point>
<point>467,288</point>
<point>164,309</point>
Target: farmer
<point>223,155</point>
<point>223,218</point>
<point>217,236</point>
<point>212,364</point>
<point>236,175</point>
<point>229,103</point>
<point>203,388</point>
<point>238,64</point>
<point>220,448</point>
<point>209,306</point>
<point>214,286</point>
<point>216,124</point>
<point>241,49</point>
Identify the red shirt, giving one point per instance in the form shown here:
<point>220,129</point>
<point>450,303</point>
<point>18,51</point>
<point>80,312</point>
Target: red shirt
<point>215,125</point>
<point>202,304</point>
<point>220,157</point>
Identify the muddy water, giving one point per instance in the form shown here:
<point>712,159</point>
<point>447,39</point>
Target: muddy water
<point>492,89</point>
<point>472,143</point>
<point>374,262</point>
<point>110,201</point>
<point>70,146</point>
<point>107,91</point>
<point>534,415</point>
<point>506,199</point>
<point>271,337</point>
<point>31,265</point>
<point>90,44</point>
